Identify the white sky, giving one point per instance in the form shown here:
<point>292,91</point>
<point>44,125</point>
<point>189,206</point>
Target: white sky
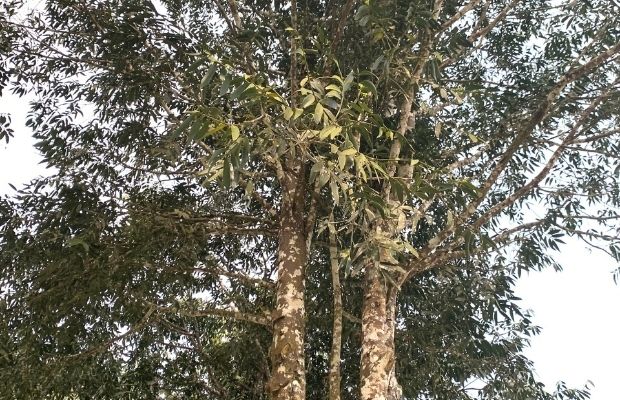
<point>578,311</point>
<point>577,308</point>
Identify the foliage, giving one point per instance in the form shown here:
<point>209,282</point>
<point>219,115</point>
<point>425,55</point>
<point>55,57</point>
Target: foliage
<point>146,264</point>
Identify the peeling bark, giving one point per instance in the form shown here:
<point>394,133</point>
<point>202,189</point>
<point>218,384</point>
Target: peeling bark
<point>288,380</point>
<point>378,376</point>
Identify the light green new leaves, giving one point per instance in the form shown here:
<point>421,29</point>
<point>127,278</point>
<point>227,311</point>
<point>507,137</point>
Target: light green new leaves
<point>234,132</point>
<point>331,132</point>
<point>318,113</point>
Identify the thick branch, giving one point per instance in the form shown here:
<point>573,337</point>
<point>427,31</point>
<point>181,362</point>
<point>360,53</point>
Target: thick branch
<point>235,12</point>
<point>459,14</point>
<point>337,36</point>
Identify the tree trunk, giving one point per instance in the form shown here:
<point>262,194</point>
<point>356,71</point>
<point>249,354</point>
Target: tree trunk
<point>288,380</point>
<point>395,391</point>
<point>378,378</point>
<point>335,353</point>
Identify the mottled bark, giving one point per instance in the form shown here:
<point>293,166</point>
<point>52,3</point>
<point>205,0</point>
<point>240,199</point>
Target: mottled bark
<point>378,377</point>
<point>395,391</point>
<point>288,380</point>
<point>378,374</point>
<point>334,356</point>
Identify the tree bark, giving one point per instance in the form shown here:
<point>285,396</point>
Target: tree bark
<point>395,391</point>
<point>335,353</point>
<point>378,377</point>
<point>288,380</point>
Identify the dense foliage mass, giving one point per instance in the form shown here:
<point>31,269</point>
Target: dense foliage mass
<point>323,199</point>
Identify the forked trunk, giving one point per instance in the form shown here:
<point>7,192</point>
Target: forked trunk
<point>378,377</point>
<point>288,380</point>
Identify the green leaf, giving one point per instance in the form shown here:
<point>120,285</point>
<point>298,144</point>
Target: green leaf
<point>225,85</point>
<point>197,130</point>
<point>330,131</point>
<point>194,66</point>
<point>208,77</point>
<point>348,152</point>
<point>78,242</point>
<point>369,87</point>
<point>323,178</point>
<point>238,90</point>
<point>333,88</point>
<point>316,85</point>
<point>297,114</point>
<point>308,101</point>
<point>342,161</point>
<point>318,113</point>
<point>348,81</point>
<point>288,113</point>
<point>183,126</point>
<point>215,129</point>
<point>234,132</point>
<point>331,103</point>
<point>276,97</point>
<point>377,62</point>
<point>316,170</point>
<point>469,187</point>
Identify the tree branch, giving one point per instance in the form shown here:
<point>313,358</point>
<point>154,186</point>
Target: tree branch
<point>539,115</point>
<point>594,235</point>
<point>337,36</point>
<point>534,182</point>
<point>236,275</point>
<point>293,54</point>
<point>218,312</point>
<point>459,14</point>
<point>482,32</point>
<point>449,254</point>
<point>105,345</point>
<point>224,15</point>
<point>235,12</point>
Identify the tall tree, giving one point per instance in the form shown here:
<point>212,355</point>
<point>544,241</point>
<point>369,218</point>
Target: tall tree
<point>222,167</point>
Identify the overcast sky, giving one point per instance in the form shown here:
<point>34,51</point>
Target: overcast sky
<point>577,308</point>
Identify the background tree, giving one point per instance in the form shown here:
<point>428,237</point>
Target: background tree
<point>223,166</point>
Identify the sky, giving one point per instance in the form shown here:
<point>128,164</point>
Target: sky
<point>578,311</point>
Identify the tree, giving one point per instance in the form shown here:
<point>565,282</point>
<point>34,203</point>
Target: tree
<point>221,167</point>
